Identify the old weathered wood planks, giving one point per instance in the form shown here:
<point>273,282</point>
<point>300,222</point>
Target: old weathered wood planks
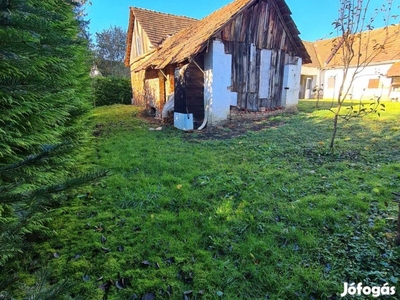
<point>245,36</point>
<point>189,90</point>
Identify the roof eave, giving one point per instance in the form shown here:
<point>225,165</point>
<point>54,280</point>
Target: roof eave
<point>129,39</point>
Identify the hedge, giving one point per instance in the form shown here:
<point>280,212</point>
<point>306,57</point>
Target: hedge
<point>111,90</point>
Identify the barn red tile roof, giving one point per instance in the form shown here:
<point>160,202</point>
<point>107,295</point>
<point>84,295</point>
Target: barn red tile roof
<point>158,26</point>
<point>371,38</point>
<point>192,40</point>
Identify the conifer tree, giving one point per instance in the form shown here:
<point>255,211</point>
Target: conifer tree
<point>44,91</point>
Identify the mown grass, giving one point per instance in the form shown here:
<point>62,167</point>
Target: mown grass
<point>266,215</point>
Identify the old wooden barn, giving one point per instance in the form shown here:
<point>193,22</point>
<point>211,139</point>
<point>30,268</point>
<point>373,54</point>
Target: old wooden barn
<point>246,55</point>
<point>147,30</point>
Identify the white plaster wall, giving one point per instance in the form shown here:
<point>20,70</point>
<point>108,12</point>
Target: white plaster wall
<point>309,71</point>
<point>291,84</point>
<point>315,73</point>
<point>359,88</point>
<point>217,81</point>
<point>265,66</point>
<point>208,80</point>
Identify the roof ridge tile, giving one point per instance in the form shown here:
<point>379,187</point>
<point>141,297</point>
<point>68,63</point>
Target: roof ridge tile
<point>162,13</point>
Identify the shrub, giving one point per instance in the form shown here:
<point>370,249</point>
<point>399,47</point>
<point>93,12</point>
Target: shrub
<point>111,90</point>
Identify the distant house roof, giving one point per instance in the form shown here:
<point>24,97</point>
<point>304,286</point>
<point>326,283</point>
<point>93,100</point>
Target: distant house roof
<point>394,70</point>
<point>193,39</point>
<point>328,51</point>
<point>158,26</point>
<point>315,62</point>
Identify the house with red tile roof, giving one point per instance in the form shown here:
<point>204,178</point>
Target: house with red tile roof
<point>379,79</point>
<point>245,56</point>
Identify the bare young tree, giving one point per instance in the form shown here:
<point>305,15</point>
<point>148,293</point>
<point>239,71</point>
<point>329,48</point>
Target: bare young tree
<point>357,49</point>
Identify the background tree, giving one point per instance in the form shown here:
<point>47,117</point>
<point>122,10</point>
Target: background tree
<point>110,52</point>
<point>44,92</point>
<point>80,16</point>
<point>357,50</point>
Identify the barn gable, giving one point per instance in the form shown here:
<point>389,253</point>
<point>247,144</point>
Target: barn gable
<point>148,29</point>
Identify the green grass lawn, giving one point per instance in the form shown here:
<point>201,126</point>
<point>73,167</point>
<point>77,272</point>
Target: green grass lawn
<point>265,215</point>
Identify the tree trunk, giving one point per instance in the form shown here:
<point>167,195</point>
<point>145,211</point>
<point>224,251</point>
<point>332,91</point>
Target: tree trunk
<point>335,124</point>
<point>397,238</point>
<point>336,118</point>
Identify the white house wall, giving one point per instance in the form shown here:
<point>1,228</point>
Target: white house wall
<point>313,73</point>
<point>217,81</point>
<point>359,88</point>
<point>317,80</point>
<point>309,71</point>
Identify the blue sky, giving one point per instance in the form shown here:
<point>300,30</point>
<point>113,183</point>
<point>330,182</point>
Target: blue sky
<point>313,17</point>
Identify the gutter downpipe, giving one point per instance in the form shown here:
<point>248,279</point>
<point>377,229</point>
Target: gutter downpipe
<point>206,112</point>
<point>206,104</point>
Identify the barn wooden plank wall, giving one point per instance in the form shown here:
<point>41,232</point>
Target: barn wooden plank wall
<point>259,27</point>
<point>140,42</point>
<point>189,90</point>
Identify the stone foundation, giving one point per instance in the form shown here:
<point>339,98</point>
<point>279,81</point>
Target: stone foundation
<point>243,115</point>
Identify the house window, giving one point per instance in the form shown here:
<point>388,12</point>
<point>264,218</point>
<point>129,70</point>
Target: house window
<point>308,84</point>
<point>396,84</point>
<point>373,83</point>
<point>331,82</point>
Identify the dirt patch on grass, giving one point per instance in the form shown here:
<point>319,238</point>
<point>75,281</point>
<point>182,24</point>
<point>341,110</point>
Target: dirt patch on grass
<point>231,130</point>
<point>224,131</point>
